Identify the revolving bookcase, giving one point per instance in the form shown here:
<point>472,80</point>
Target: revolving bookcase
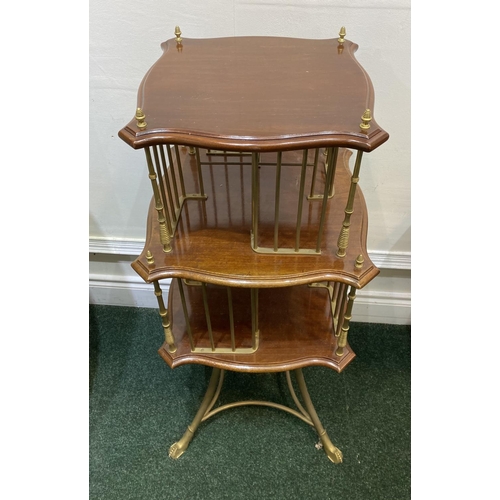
<point>253,146</point>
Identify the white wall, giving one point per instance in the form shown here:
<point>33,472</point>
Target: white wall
<point>125,41</point>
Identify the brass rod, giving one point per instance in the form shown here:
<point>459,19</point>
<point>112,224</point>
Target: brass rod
<point>200,176</point>
<point>340,295</point>
<point>301,200</point>
<point>254,297</point>
<point>313,180</point>
<point>333,166</point>
<point>258,403</point>
<point>162,219</point>
<point>172,173</point>
<point>207,315</point>
<point>228,195</point>
<point>179,169</point>
<point>242,191</point>
<point>335,293</point>
<point>216,395</point>
<point>294,396</point>
<point>343,240</point>
<point>332,155</point>
<point>284,164</point>
<point>255,198</point>
<point>277,201</point>
<point>186,316</point>
<point>231,317</point>
<point>214,197</point>
<point>342,342</point>
<point>218,152</point>
<point>165,319</point>
<point>167,183</point>
<point>162,187</point>
<point>211,162</point>
<point>340,309</point>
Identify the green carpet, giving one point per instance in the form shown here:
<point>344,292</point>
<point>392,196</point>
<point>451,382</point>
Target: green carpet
<point>139,407</point>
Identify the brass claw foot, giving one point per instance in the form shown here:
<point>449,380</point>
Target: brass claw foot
<point>178,448</point>
<point>175,451</point>
<point>333,453</point>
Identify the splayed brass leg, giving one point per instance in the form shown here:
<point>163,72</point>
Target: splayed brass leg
<point>332,452</point>
<point>178,448</point>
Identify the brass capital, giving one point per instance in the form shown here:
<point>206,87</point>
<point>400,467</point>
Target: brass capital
<point>366,119</point>
<point>141,119</point>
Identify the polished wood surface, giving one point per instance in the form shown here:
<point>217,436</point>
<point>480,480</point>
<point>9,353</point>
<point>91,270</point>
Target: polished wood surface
<point>295,330</point>
<point>256,93</point>
<point>212,241</point>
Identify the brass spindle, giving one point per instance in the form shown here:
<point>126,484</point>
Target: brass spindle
<point>333,166</point>
<point>255,198</point>
<point>343,240</point>
<point>339,304</point>
<point>315,169</point>
<point>186,316</point>
<point>242,192</point>
<point>200,176</point>
<point>162,213</point>
<point>231,317</point>
<point>165,319</point>
<point>301,199</point>
<point>162,190</point>
<point>342,342</point>
<point>214,196</point>
<point>332,155</point>
<point>207,315</point>
<point>228,195</point>
<point>167,183</point>
<point>335,293</point>
<point>172,173</point>
<point>277,201</point>
<point>341,313</point>
<point>179,169</point>
<point>254,299</point>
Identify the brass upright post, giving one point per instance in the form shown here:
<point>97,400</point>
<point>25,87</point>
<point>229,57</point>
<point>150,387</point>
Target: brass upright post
<point>277,201</point>
<point>164,232</point>
<point>301,199</point>
<point>343,240</point>
<point>342,342</point>
<point>165,319</point>
<point>330,173</point>
<point>255,198</point>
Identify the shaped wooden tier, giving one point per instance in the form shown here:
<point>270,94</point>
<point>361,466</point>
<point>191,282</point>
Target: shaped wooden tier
<point>295,330</point>
<point>212,241</point>
<point>256,94</point>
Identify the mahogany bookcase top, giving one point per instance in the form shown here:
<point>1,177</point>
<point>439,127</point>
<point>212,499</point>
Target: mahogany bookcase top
<point>255,94</point>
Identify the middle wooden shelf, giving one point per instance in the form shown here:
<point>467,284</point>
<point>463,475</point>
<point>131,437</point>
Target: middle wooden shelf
<point>254,220</point>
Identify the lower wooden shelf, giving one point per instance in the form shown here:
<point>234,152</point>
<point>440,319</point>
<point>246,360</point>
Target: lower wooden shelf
<point>293,327</point>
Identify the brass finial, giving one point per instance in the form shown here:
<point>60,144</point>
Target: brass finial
<point>140,117</point>
<point>149,257</point>
<point>342,34</point>
<point>359,262</point>
<point>178,34</point>
<point>367,117</point>
<point>192,151</point>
